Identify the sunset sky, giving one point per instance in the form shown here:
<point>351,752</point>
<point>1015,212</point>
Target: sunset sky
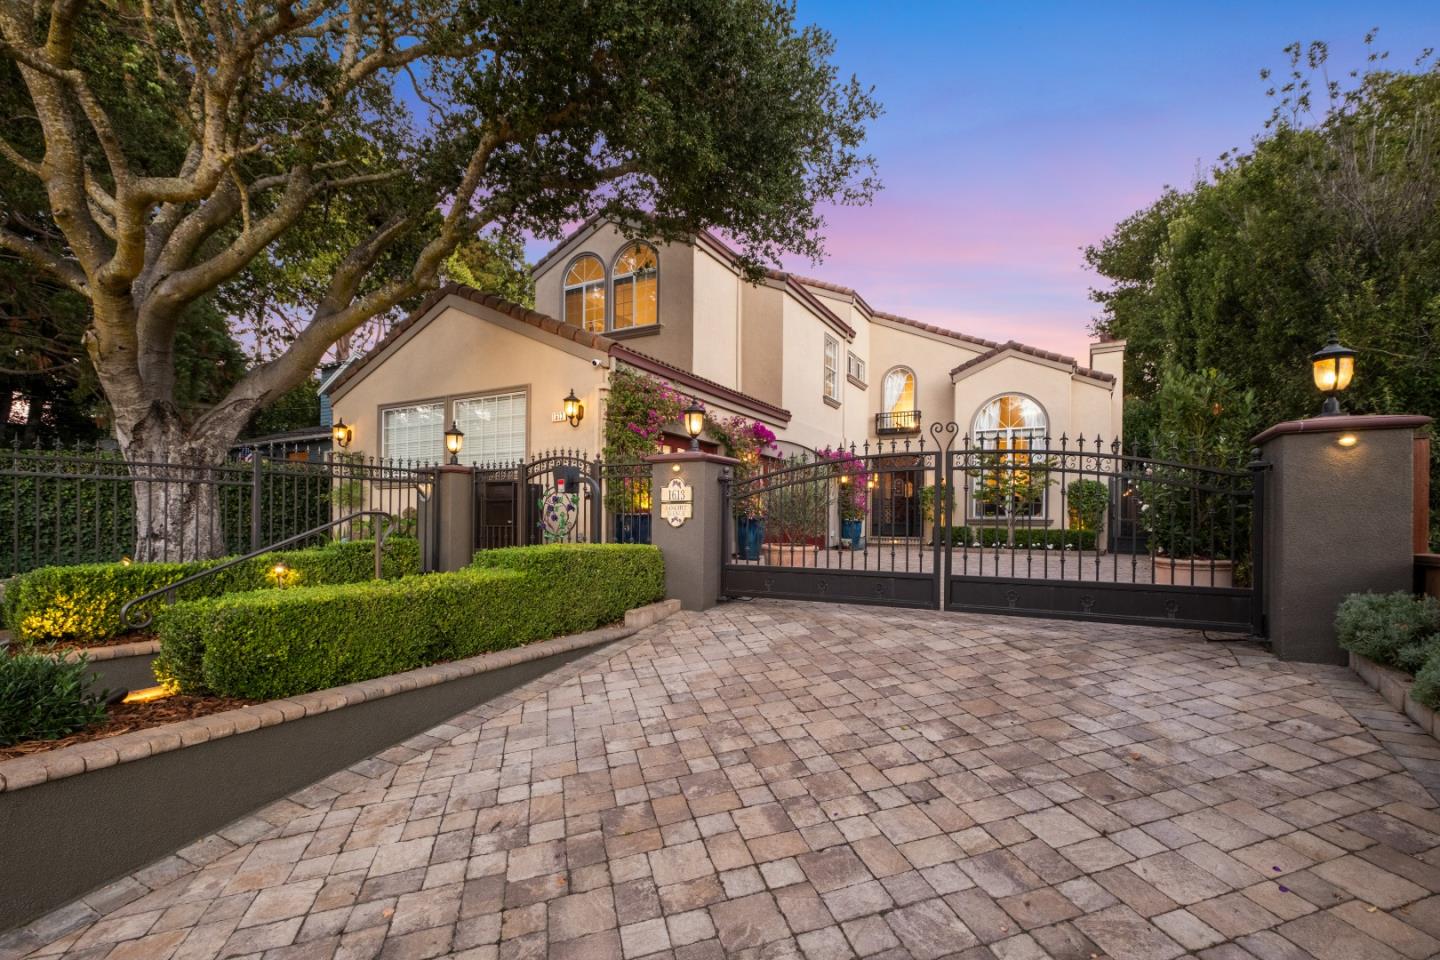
<point>1015,134</point>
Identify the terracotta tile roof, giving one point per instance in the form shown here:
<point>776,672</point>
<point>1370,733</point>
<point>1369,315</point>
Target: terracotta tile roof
<point>1018,347</point>
<point>685,378</point>
<point>513,310</point>
<point>932,328</point>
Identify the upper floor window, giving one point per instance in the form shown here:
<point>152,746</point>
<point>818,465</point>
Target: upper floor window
<point>854,367</point>
<point>899,390</point>
<point>585,294</point>
<point>832,368</point>
<point>636,272</point>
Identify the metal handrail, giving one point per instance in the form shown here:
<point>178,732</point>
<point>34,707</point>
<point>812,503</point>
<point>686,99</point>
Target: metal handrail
<point>381,530</point>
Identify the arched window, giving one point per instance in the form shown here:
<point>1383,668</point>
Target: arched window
<point>636,272</point>
<point>899,390</point>
<point>1001,481</point>
<point>585,294</point>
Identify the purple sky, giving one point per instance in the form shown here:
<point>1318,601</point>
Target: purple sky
<point>1016,134</point>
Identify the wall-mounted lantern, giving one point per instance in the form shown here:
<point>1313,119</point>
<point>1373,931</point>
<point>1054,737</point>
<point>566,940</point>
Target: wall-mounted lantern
<point>694,423</point>
<point>341,433</point>
<point>574,409</point>
<point>454,440</point>
<point>1333,367</point>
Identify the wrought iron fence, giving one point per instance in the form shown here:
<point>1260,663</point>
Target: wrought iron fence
<point>1090,510</point>
<point>78,504</point>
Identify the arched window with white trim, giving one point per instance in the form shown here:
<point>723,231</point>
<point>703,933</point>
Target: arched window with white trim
<point>636,282</point>
<point>1001,482</point>
<point>585,294</point>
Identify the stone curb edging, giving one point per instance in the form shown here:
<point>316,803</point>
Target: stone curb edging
<point>1394,688</point>
<point>140,648</point>
<point>30,771</point>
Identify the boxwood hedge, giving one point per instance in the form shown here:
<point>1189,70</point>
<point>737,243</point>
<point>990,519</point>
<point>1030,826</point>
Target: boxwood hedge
<point>1395,630</point>
<point>277,643</point>
<point>81,604</point>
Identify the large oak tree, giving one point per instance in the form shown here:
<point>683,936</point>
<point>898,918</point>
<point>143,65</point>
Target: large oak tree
<point>375,136</point>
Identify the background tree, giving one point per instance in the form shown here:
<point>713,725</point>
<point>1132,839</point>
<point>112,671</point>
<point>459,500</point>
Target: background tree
<point>375,138</point>
<point>1330,221</point>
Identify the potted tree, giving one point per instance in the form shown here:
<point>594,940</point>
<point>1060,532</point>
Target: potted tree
<point>1196,526</point>
<point>1086,502</point>
<point>1010,483</point>
<point>796,509</point>
<point>852,480</point>
<point>747,441</point>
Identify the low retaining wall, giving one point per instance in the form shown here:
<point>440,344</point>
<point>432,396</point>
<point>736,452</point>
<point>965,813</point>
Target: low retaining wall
<point>126,665</point>
<point>80,816</point>
<point>1394,688</point>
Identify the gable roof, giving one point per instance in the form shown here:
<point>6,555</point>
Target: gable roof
<point>566,331</point>
<point>1015,346</point>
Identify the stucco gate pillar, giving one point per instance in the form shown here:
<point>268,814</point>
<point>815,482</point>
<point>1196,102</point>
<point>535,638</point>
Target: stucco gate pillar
<point>1340,515</point>
<point>455,524</point>
<point>690,533</point>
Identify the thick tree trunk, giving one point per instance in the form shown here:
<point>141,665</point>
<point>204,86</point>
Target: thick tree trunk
<point>184,495</point>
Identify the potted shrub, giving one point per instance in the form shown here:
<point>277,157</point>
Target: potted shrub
<point>747,441</point>
<point>1197,529</point>
<point>852,481</point>
<point>796,510</point>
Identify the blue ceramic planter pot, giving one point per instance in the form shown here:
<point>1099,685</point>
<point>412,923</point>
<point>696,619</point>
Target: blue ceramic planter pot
<point>854,531</point>
<point>749,533</point>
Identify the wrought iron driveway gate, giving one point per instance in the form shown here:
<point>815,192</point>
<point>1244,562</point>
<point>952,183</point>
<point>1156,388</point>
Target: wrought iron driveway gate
<point>1004,523</point>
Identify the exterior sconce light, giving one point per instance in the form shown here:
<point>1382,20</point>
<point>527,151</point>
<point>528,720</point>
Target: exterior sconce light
<point>574,409</point>
<point>342,434</point>
<point>873,482</point>
<point>454,440</point>
<point>1333,367</point>
<point>694,423</point>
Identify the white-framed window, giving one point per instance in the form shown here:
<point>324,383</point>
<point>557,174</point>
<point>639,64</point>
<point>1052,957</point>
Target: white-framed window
<point>898,391</point>
<point>585,294</point>
<point>854,366</point>
<point>832,368</point>
<point>494,427</point>
<point>635,281</point>
<point>1001,483</point>
<point>415,432</point>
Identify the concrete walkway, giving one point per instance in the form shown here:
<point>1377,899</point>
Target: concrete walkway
<point>776,780</point>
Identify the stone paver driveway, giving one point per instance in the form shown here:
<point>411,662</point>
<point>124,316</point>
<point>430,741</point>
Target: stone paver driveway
<point>790,780</point>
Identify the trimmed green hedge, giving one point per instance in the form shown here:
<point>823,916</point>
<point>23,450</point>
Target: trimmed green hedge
<point>1034,538</point>
<point>1398,630</point>
<point>81,604</point>
<point>278,643</point>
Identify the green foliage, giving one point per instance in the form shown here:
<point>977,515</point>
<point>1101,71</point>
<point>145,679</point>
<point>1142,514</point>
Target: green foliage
<point>1326,223</point>
<point>1380,626</point>
<point>277,643</point>
<point>1426,689</point>
<point>45,698</point>
<point>797,506</point>
<point>81,604</point>
<point>1202,417</point>
<point>296,409</point>
<point>495,264</point>
<point>927,503</point>
<point>1413,656</point>
<point>1032,538</point>
<point>1087,502</point>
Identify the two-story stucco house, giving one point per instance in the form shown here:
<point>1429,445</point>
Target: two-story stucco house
<point>812,360</point>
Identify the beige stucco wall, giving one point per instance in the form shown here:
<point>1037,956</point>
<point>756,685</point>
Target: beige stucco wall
<point>716,311</point>
<point>465,350</point>
<point>814,423</point>
<point>672,340</point>
<point>762,344</point>
<point>930,356</point>
<point>1109,358</point>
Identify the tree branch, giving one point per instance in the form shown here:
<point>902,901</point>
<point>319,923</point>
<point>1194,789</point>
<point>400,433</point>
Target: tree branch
<point>65,271</point>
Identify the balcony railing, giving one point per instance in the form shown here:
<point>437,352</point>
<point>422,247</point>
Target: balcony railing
<point>900,421</point>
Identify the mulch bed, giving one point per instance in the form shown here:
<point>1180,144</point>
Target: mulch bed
<point>125,717</point>
<point>15,649</point>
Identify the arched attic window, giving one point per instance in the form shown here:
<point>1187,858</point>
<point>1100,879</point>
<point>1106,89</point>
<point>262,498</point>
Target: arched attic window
<point>585,294</point>
<point>636,276</point>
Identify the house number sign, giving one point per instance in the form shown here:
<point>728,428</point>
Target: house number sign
<point>677,502</point>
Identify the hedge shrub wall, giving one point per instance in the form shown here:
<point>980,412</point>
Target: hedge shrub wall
<point>81,604</point>
<point>1033,538</point>
<point>277,643</point>
<point>1398,630</point>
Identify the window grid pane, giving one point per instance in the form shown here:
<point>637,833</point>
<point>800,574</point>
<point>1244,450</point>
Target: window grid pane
<point>832,367</point>
<point>494,428</point>
<point>413,433</point>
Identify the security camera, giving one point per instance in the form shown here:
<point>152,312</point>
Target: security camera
<point>594,361</point>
